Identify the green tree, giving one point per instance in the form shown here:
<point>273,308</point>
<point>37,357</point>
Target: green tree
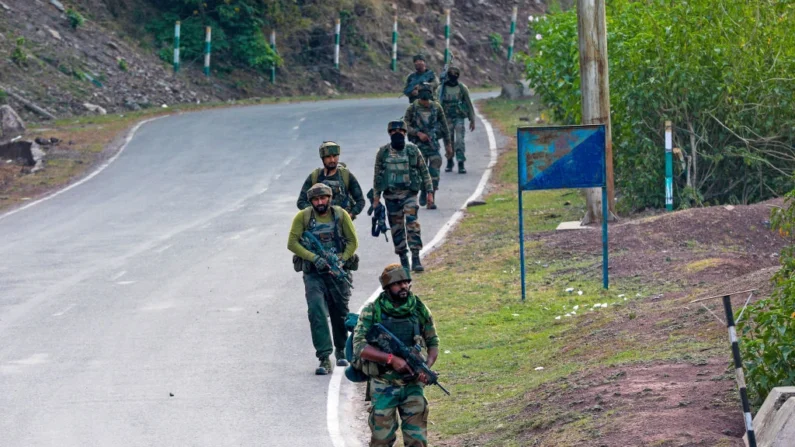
<point>720,70</point>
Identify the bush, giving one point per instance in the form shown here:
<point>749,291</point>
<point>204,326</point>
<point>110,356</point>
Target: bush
<point>75,18</point>
<point>123,65</point>
<point>495,40</point>
<point>719,69</point>
<point>768,342</point>
<point>19,56</point>
<point>3,97</point>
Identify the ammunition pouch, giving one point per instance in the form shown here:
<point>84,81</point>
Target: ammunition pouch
<point>352,264</point>
<point>298,263</point>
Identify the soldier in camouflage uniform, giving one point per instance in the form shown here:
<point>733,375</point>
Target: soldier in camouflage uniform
<point>403,314</point>
<point>426,122</point>
<point>400,172</point>
<point>423,74</point>
<point>343,184</point>
<point>325,296</point>
<point>457,106</point>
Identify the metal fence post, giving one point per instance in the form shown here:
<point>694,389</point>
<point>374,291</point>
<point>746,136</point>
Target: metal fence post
<point>738,371</point>
<point>394,40</point>
<point>207,39</point>
<point>513,33</point>
<point>337,44</point>
<point>176,47</point>
<point>273,47</point>
<point>669,167</point>
<point>447,37</point>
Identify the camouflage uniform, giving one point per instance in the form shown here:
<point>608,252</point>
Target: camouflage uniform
<point>431,121</point>
<point>347,193</point>
<point>457,106</point>
<point>325,297</point>
<point>390,395</point>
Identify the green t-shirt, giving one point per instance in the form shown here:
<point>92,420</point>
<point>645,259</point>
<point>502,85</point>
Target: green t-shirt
<point>297,229</point>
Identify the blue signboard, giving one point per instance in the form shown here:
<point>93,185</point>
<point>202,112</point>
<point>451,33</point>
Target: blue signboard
<point>562,157</point>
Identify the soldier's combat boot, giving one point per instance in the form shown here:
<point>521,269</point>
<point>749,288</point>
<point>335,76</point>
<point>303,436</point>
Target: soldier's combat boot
<point>325,367</point>
<point>449,167</point>
<point>432,206</point>
<point>461,168</point>
<point>423,197</point>
<point>416,265</point>
<point>404,261</point>
<point>340,355</point>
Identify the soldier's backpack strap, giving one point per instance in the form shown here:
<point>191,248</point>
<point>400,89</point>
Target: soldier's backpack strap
<point>308,217</point>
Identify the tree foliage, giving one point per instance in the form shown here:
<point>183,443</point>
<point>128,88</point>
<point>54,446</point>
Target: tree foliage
<point>768,341</point>
<point>238,29</point>
<point>723,71</point>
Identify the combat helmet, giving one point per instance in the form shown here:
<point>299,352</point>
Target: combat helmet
<point>329,148</point>
<point>396,125</point>
<point>453,70</point>
<point>318,190</point>
<point>393,273</point>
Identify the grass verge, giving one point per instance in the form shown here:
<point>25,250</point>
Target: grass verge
<point>505,360</point>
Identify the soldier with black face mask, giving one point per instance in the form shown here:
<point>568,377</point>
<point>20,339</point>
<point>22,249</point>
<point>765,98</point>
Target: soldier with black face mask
<point>400,172</point>
<point>457,106</point>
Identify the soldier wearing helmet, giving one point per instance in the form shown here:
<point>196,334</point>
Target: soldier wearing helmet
<point>422,74</point>
<point>457,107</point>
<point>325,296</point>
<point>346,189</point>
<point>400,172</point>
<point>394,398</point>
<point>427,123</point>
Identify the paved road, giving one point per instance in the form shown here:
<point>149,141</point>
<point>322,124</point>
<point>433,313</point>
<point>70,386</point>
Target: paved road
<point>156,304</point>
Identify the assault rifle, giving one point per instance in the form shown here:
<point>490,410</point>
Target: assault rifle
<point>379,217</point>
<point>311,242</point>
<point>425,77</point>
<point>386,341</point>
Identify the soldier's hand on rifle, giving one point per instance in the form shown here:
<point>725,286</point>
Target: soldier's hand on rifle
<point>376,201</point>
<point>429,198</point>
<point>401,366</point>
<point>321,264</point>
<point>423,136</point>
<point>471,126</point>
<point>422,377</point>
<point>448,151</point>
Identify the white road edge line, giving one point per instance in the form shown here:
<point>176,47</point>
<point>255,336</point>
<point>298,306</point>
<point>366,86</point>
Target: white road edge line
<point>335,384</point>
<point>93,174</point>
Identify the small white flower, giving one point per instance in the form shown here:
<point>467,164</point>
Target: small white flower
<point>515,315</point>
<point>621,296</point>
<point>576,307</point>
<point>540,53</point>
<point>538,37</point>
<point>446,351</point>
<point>540,368</point>
<point>573,313</point>
<point>529,18</point>
<point>604,304</point>
<point>567,315</point>
<point>579,292</point>
<point>558,317</point>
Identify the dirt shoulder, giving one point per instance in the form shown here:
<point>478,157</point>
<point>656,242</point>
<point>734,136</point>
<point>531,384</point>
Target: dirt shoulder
<point>576,365</point>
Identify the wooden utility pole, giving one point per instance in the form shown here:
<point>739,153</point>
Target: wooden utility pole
<point>595,87</point>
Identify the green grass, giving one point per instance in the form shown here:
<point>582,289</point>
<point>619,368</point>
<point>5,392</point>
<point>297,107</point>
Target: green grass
<point>492,343</point>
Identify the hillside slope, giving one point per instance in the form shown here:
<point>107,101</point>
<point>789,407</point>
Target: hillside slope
<point>112,61</point>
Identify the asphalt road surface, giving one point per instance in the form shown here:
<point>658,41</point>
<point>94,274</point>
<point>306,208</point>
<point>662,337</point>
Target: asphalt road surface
<point>156,305</point>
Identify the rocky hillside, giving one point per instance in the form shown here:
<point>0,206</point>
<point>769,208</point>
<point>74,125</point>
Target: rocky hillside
<point>111,61</point>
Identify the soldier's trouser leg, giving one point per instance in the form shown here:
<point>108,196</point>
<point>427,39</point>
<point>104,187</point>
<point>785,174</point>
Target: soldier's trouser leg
<point>413,233</point>
<point>337,297</point>
<point>459,145</point>
<point>317,308</point>
<point>390,401</point>
<point>434,160</point>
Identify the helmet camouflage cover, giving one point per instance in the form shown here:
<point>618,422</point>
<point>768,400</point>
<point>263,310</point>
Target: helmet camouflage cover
<point>425,87</point>
<point>396,124</point>
<point>318,190</point>
<point>455,71</point>
<point>393,273</point>
<point>329,148</point>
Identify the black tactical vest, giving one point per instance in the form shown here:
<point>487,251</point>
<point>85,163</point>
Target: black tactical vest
<point>405,329</point>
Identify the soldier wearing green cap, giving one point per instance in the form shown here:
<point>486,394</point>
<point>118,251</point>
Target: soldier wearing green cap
<point>457,107</point>
<point>325,295</point>
<point>421,75</point>
<point>399,173</point>
<point>426,124</point>
<point>346,189</point>
<point>395,400</point>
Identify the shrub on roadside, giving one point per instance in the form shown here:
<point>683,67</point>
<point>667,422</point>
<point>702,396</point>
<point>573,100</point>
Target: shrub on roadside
<point>19,56</point>
<point>75,18</point>
<point>768,334</point>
